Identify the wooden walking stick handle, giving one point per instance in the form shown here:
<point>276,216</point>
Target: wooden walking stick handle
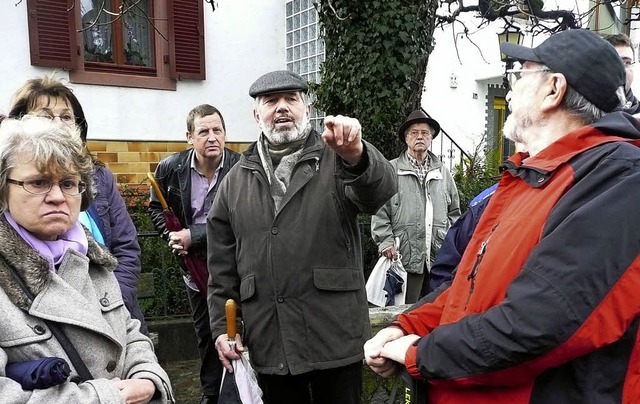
<point>230,310</point>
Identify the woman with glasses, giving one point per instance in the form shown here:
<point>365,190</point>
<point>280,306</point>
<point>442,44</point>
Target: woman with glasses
<point>107,218</point>
<point>57,290</point>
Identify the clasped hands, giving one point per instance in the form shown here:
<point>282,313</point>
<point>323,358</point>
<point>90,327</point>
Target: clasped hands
<point>387,350</point>
<point>179,241</point>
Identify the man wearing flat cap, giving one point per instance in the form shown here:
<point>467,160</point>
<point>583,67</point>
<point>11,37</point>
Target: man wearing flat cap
<point>284,242</point>
<point>426,205</point>
<point>544,306</point>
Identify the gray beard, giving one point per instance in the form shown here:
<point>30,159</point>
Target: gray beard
<point>279,137</point>
<point>514,130</point>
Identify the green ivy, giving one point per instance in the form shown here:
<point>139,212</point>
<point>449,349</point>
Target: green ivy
<point>375,63</point>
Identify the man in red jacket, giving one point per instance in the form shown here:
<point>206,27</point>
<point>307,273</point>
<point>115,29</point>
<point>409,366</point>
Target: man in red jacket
<point>544,307</point>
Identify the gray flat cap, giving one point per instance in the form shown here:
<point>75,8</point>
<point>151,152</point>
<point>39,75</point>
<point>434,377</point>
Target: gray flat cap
<point>278,81</point>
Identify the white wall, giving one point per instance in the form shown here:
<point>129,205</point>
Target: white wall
<point>244,39</point>
<point>461,110</point>
<point>456,109</point>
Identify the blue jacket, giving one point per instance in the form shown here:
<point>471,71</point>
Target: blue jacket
<point>456,240</point>
<point>120,237</point>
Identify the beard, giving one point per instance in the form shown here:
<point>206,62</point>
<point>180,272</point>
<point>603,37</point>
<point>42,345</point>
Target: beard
<point>280,136</point>
<point>514,128</point>
<point>510,129</point>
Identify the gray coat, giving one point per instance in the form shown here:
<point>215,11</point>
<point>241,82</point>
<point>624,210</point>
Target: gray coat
<point>420,217</point>
<point>297,274</point>
<point>84,297</point>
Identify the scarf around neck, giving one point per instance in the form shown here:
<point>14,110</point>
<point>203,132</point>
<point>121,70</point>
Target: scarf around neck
<point>53,251</point>
<point>278,163</point>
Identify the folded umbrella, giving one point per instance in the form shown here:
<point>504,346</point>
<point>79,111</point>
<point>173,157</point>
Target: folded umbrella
<point>241,386</point>
<point>196,267</point>
<point>40,373</point>
<point>393,285</point>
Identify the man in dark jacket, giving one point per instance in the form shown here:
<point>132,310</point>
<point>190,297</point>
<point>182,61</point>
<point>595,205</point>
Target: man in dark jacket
<point>284,241</point>
<point>189,181</point>
<point>544,306</point>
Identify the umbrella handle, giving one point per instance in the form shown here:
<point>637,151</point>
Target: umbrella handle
<point>157,191</point>
<point>230,311</point>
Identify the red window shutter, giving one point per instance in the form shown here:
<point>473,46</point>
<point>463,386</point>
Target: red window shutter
<point>186,36</point>
<point>52,37</point>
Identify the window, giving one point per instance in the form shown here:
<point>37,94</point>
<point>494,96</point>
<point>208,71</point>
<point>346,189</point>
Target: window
<point>305,50</point>
<point>117,40</point>
<point>151,44</point>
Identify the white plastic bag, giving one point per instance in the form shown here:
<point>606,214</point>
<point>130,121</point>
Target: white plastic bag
<point>375,284</point>
<point>376,294</point>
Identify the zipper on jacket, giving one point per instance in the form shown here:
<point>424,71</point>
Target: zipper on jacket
<point>317,163</point>
<point>474,271</point>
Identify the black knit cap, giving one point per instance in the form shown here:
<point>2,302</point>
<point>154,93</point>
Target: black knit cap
<point>278,81</point>
<point>590,64</point>
<point>418,116</point>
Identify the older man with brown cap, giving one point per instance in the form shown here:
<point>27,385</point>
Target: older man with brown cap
<point>544,307</point>
<point>426,205</point>
<point>284,242</point>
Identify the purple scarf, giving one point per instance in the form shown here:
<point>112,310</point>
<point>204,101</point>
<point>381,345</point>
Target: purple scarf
<point>53,251</point>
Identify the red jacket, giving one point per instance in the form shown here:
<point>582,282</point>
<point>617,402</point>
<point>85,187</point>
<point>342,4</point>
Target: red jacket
<point>544,307</point>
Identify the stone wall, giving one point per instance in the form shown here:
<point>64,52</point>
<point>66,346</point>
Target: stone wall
<point>131,161</point>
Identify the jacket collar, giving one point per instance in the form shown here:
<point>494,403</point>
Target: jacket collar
<point>536,170</point>
<point>405,165</point>
<point>32,267</point>
<point>313,149</point>
<point>564,149</point>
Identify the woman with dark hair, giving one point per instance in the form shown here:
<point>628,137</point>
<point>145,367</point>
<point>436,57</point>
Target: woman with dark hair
<point>58,296</point>
<point>107,218</point>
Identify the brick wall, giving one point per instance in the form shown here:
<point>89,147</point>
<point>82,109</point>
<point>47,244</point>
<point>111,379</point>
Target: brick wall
<point>131,161</point>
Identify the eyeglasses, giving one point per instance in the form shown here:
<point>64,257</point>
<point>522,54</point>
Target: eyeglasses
<point>64,118</point>
<point>415,133</point>
<point>513,75</point>
<point>43,186</point>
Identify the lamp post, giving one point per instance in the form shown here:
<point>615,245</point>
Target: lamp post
<point>513,35</point>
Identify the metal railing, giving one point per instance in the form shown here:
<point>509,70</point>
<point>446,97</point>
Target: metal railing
<point>450,151</point>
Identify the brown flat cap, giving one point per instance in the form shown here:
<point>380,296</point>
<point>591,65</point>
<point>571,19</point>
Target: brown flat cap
<point>278,81</point>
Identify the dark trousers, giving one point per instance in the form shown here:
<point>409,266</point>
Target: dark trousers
<point>211,368</point>
<point>341,385</point>
<point>414,286</point>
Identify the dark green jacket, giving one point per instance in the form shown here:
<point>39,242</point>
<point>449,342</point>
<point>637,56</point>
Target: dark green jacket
<point>297,275</point>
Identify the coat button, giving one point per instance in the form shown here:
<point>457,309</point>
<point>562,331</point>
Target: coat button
<point>76,380</point>
<point>104,302</point>
<point>280,366</point>
<point>38,329</point>
<point>274,230</point>
<point>111,366</point>
<point>280,299</point>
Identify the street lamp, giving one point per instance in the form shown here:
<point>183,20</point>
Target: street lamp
<point>513,35</point>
